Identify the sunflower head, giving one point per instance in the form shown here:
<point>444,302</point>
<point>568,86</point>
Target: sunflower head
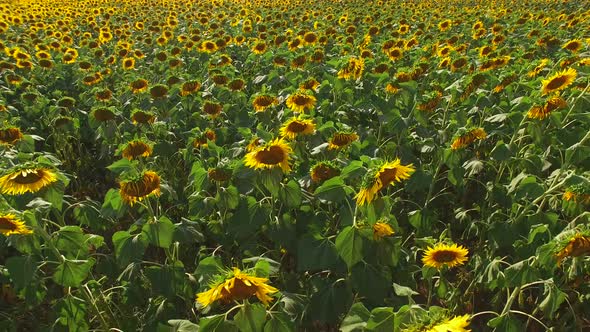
<point>443,254</point>
<point>212,109</point>
<point>262,102</point>
<point>465,137</point>
<point>574,246</point>
<point>140,187</point>
<point>220,174</point>
<point>142,117</point>
<point>10,135</point>
<point>273,154</point>
<point>342,139</point>
<point>10,224</point>
<point>382,229</point>
<point>103,114</point>
<point>558,81</point>
<point>189,87</point>
<point>136,148</point>
<point>323,170</point>
<point>301,101</point>
<point>297,126</point>
<point>24,179</point>
<point>236,286</point>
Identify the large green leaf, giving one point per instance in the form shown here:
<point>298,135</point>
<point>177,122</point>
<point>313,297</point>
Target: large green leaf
<point>349,245</point>
<point>159,233</point>
<point>129,248</point>
<point>315,253</point>
<point>250,318</point>
<point>71,273</point>
<point>381,320</point>
<point>21,269</point>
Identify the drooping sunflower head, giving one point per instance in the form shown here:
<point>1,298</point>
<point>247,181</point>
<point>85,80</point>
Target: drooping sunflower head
<point>465,137</point>
<point>301,101</point>
<point>382,229</point>
<point>380,176</point>
<point>262,102</point>
<point>236,286</point>
<point>443,254</point>
<point>142,117</point>
<point>189,87</point>
<point>558,81</point>
<point>202,138</point>
<point>297,126</point>
<point>342,139</point>
<point>212,109</point>
<point>574,245</point>
<point>159,91</point>
<point>22,180</point>
<point>275,153</point>
<point>10,224</point>
<point>140,187</point>
<point>10,135</point>
<point>103,114</point>
<point>573,45</point>
<point>220,174</point>
<point>136,148</point>
<point>323,170</point>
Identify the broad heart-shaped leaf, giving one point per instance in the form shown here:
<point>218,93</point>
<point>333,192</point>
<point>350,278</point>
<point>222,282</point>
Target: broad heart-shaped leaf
<point>54,194</point>
<point>207,269</point>
<point>333,190</point>
<point>228,198</point>
<point>280,322</point>
<point>71,273</point>
<point>198,176</point>
<point>290,194</point>
<point>330,302</point>
<point>72,313</point>
<point>181,325</point>
<point>159,233</point>
<point>373,282</point>
<point>381,320</point>
<point>555,297</point>
<point>250,318</point>
<point>216,323</point>
<point>129,248</point>
<point>315,253</point>
<point>71,240</point>
<point>520,273</point>
<point>349,244</point>
<point>113,206</point>
<point>21,269</point>
<point>121,166</point>
<point>168,280</point>
<point>357,318</point>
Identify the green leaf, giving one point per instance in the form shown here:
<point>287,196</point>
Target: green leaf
<point>113,206</point>
<point>332,301</point>
<point>554,299</point>
<point>21,269</point>
<point>501,151</point>
<point>381,320</point>
<point>373,282</point>
<point>315,253</point>
<point>128,248</point>
<point>250,318</point>
<point>353,170</point>
<point>121,166</point>
<point>198,176</point>
<point>506,323</point>
<point>520,273</point>
<point>70,239</point>
<point>357,318</point>
<point>181,325</point>
<point>168,280</point>
<point>279,322</point>
<point>290,194</point>
<point>349,245</point>
<point>71,273</point>
<point>208,268</point>
<point>333,190</point>
<point>216,323</point>
<point>72,313</point>
<point>160,233</point>
<point>228,198</point>
<point>403,290</point>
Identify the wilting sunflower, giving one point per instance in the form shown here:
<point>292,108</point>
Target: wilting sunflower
<point>235,287</point>
<point>443,254</point>
<point>559,81</point>
<point>237,84</point>
<point>104,95</point>
<point>136,148</point>
<point>300,101</point>
<point>189,88</point>
<point>577,245</point>
<point>212,109</point>
<point>102,114</point>
<point>219,174</point>
<point>270,155</point>
<point>456,324</point>
<point>468,137</point>
<point>141,187</point>
<point>27,180</point>
<point>323,170</point>
<point>262,102</point>
<point>143,117</point>
<point>381,230</point>
<point>159,91</point>
<point>388,173</point>
<point>342,139</point>
<point>541,112</point>
<point>10,135</point>
<point>579,193</point>
<point>297,126</point>
<point>10,224</point>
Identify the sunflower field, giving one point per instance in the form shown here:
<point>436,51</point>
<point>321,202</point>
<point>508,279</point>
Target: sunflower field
<point>291,165</point>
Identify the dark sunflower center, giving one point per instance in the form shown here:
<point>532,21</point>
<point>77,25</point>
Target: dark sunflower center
<point>301,100</point>
<point>128,63</point>
<point>142,187</point>
<point>10,135</point>
<point>212,108</point>
<point>296,127</point>
<point>7,224</point>
<point>387,176</point>
<point>341,139</point>
<point>136,149</point>
<point>580,246</point>
<point>260,47</point>
<point>444,256</point>
<point>28,178</point>
<point>240,291</point>
<point>271,155</point>
<point>142,117</point>
<point>557,83</point>
<point>264,101</point>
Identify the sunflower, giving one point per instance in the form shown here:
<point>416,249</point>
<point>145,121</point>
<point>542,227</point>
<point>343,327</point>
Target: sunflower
<point>159,91</point>
<point>322,171</point>
<point>381,230</point>
<point>442,254</point>
<point>300,101</point>
<point>541,112</point>
<point>579,194</point>
<point>342,139</point>
<point>212,109</point>
<point>577,245</point>
<point>573,45</point>
<point>262,102</point>
<point>27,180</point>
<point>104,95</point>
<point>189,88</point>
<point>237,84</point>
<point>143,117</point>
<point>128,63</point>
<point>559,81</point>
<point>468,137</point>
<point>141,187</point>
<point>10,135</point>
<point>259,48</point>
<point>353,69</point>
<point>388,173</point>
<point>219,174</point>
<point>203,138</point>
<point>253,144</point>
<point>271,155</point>
<point>208,46</point>
<point>237,286</point>
<point>102,114</point>
<point>297,126</point>
<point>392,88</point>
<point>135,149</point>
<point>10,224</point>
<point>456,324</point>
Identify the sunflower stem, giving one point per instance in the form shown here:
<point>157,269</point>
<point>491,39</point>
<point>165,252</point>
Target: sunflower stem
<point>510,300</point>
